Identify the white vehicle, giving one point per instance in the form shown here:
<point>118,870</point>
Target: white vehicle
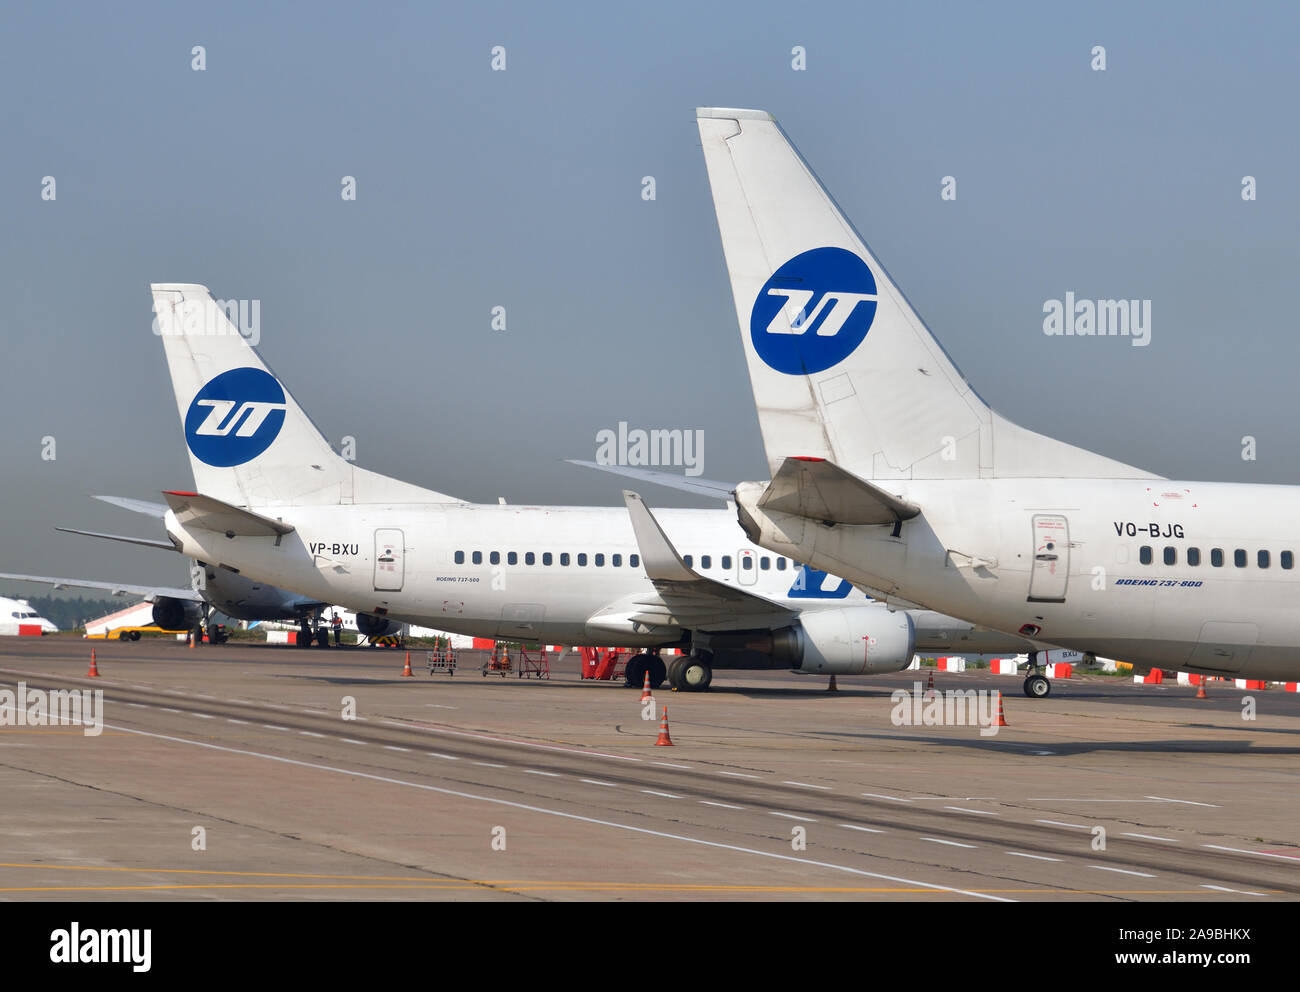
<point>274,501</point>
<point>887,468</point>
<point>18,617</point>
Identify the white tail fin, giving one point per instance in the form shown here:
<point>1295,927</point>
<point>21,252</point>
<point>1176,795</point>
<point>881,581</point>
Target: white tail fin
<point>250,442</point>
<point>841,366</point>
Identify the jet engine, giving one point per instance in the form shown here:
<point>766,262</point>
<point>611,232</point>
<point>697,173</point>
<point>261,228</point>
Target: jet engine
<point>373,626</point>
<point>855,640</point>
<point>176,614</point>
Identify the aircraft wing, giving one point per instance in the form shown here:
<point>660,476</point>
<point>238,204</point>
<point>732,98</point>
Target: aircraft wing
<point>684,597</point>
<point>150,593</point>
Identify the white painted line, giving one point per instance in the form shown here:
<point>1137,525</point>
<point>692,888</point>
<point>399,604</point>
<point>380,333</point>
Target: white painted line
<point>534,771</point>
<point>596,781</point>
<point>560,814</point>
<point>1036,857</point>
<point>204,716</point>
<point>310,733</point>
<point>394,747</point>
<point>441,706</point>
<point>349,740</point>
<point>231,719</point>
<point>706,802</point>
<point>665,795</point>
<point>806,785</point>
<point>739,775</point>
<point>271,726</point>
<point>669,764</point>
<point>204,695</point>
<point>950,843</point>
<point>168,709</point>
<point>963,809</point>
<point>1123,871</point>
<point>1240,892</point>
<point>1262,854</point>
<point>139,706</point>
<point>865,830</point>
<point>1058,823</point>
<point>447,757</point>
<point>487,764</point>
<point>1165,840</point>
<point>791,816</point>
<point>1185,802</point>
<point>877,795</point>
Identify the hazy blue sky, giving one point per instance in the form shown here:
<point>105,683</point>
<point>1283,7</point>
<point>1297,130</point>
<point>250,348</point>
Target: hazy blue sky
<point>523,189</point>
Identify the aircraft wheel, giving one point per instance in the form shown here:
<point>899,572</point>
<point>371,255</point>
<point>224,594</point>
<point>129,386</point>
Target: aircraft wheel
<point>675,673</point>
<point>1037,686</point>
<point>322,638</point>
<point>637,666</point>
<point>696,674</point>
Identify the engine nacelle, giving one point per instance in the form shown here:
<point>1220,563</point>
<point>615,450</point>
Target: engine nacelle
<point>373,626</point>
<point>862,640</point>
<point>176,614</point>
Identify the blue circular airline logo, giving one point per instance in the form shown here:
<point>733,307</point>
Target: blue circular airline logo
<point>235,417</point>
<point>813,311</point>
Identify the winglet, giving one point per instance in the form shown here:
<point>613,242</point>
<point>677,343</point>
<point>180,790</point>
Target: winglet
<point>658,556</point>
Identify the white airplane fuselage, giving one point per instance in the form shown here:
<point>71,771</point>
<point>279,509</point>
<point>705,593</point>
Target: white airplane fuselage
<point>1066,556</point>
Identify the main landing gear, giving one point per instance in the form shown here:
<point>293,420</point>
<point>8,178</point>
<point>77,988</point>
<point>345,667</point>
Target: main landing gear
<point>1037,684</point>
<point>638,665</point>
<point>691,673</point>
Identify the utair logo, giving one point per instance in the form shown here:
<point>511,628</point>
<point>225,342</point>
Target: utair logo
<point>235,417</point>
<point>813,311</point>
<point>809,583</point>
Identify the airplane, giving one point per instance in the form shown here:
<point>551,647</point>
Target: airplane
<point>887,468</point>
<point>273,500</point>
<point>211,589</point>
<point>17,616</point>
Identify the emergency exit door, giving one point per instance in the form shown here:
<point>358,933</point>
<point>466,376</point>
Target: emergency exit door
<point>1051,569</point>
<point>390,560</point>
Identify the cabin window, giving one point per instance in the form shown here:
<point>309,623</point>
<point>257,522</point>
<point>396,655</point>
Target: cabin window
<point>530,558</point>
<point>634,560</point>
<point>780,564</point>
<point>582,559</point>
<point>726,562</point>
<point>765,563</point>
<point>1144,555</point>
<point>1193,556</point>
<point>600,561</point>
<point>460,557</point>
<point>564,558</point>
<point>706,561</point>
<point>1286,559</point>
<point>1171,556</point>
<point>1262,559</point>
<point>478,557</point>
<point>547,558</point>
<point>688,559</point>
<point>495,557</point>
<point>512,558</point>
<point>1216,557</point>
<point>616,561</point>
<point>747,563</point>
<point>1239,558</point>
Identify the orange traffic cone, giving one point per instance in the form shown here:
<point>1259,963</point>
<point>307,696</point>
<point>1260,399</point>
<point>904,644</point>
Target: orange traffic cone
<point>832,687</point>
<point>1001,721</point>
<point>645,689</point>
<point>94,669</point>
<point>1200,690</point>
<point>664,740</point>
<point>406,672</point>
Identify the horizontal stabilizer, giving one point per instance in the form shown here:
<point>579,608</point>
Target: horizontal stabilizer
<point>820,490</point>
<point>699,487</point>
<point>195,510</point>
<point>146,541</point>
<point>147,507</point>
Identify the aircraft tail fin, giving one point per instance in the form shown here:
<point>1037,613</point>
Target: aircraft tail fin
<point>841,365</point>
<point>249,441</point>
